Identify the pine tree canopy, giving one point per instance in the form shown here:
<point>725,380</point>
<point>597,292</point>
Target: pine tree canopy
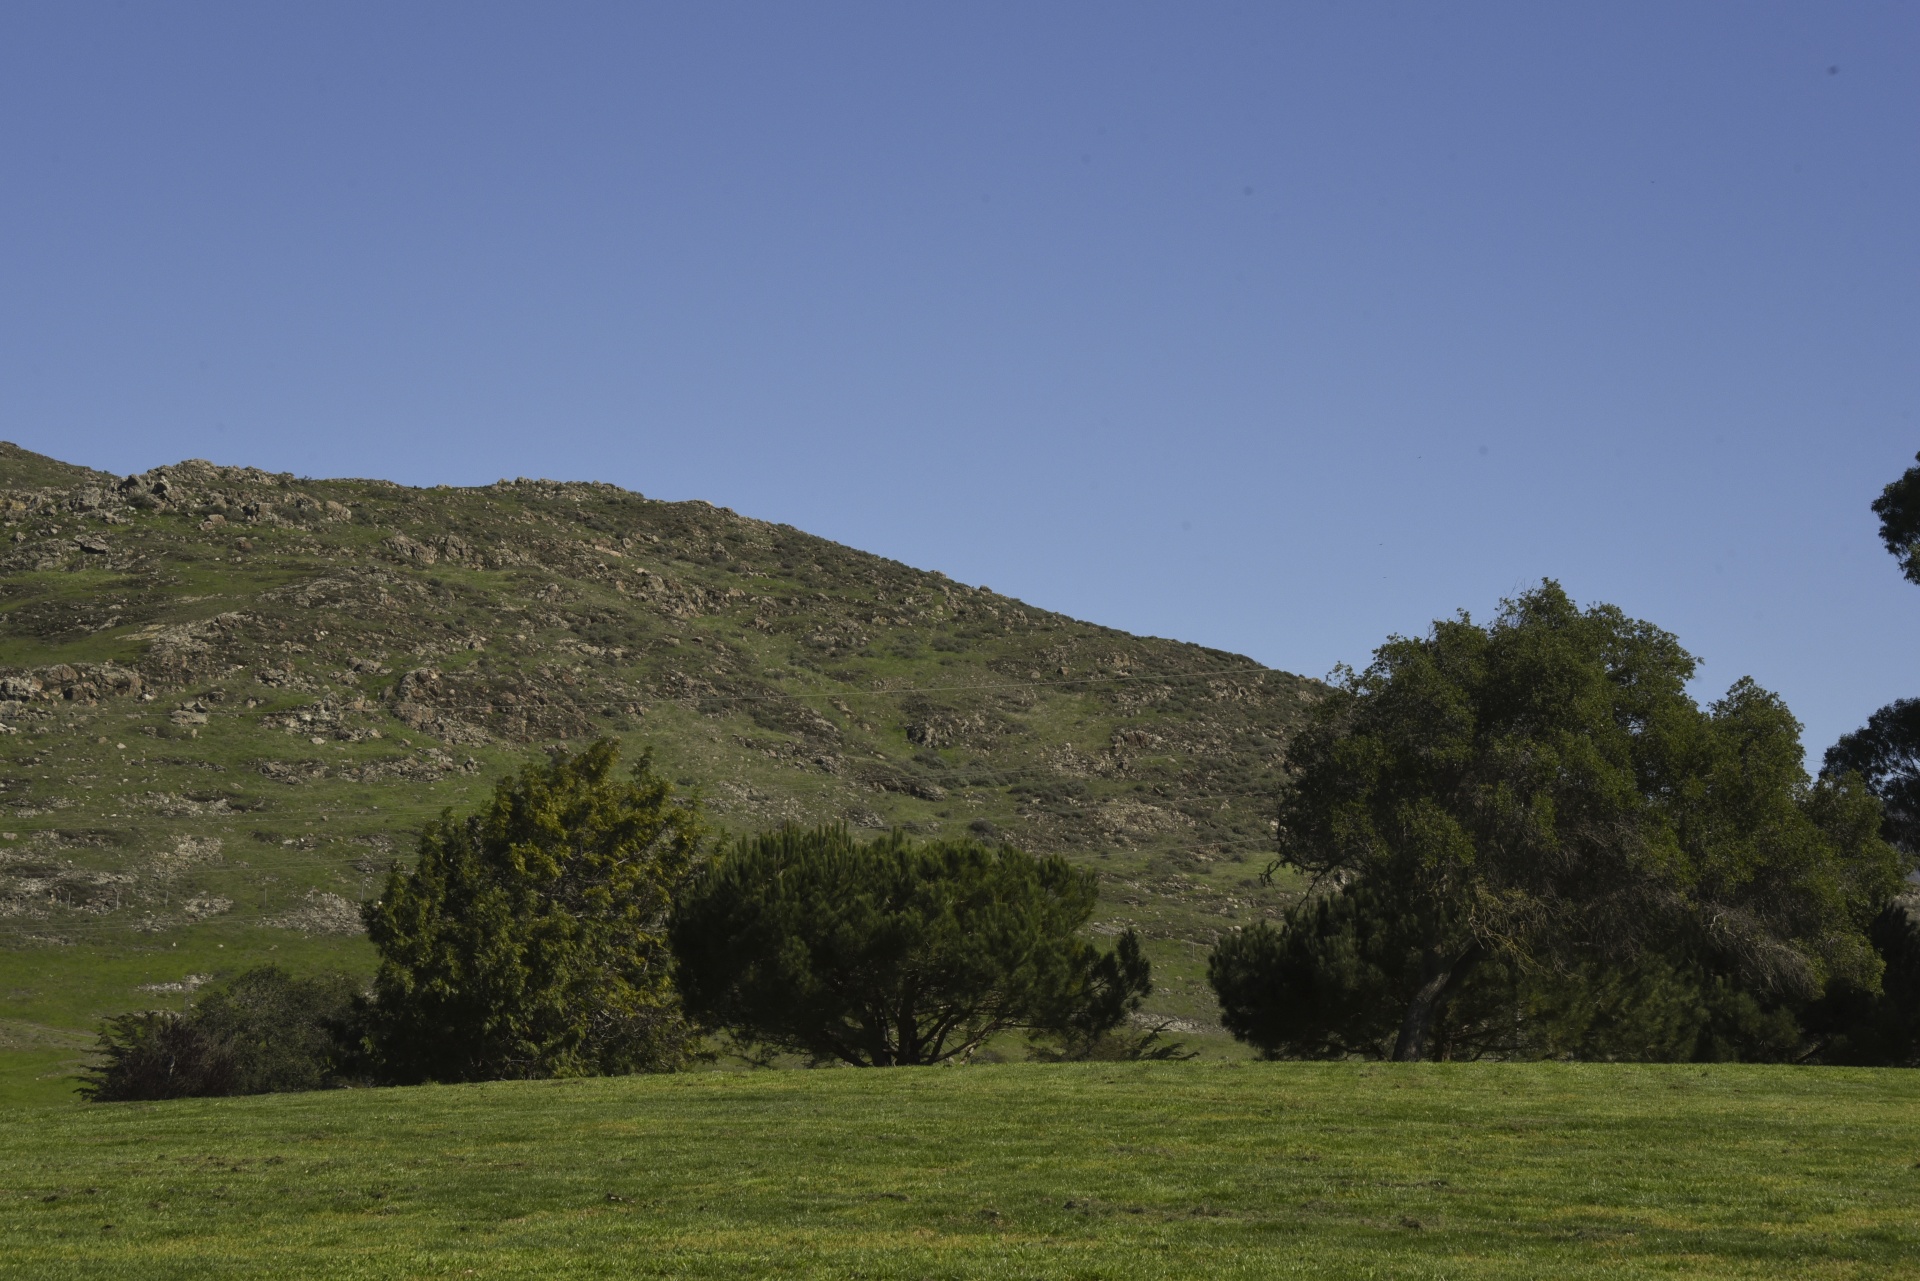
<point>895,952</point>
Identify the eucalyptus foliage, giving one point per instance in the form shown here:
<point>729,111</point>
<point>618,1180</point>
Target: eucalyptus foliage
<point>530,939</point>
<point>895,952</point>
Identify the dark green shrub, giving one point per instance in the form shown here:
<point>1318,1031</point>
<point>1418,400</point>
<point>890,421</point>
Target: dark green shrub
<point>1864,1026</point>
<point>262,1033</point>
<point>285,1033</point>
<point>157,1054</point>
<point>1313,988</point>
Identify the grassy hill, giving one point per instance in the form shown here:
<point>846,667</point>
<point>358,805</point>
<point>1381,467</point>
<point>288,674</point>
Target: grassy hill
<point>1092,1171</point>
<point>230,697</point>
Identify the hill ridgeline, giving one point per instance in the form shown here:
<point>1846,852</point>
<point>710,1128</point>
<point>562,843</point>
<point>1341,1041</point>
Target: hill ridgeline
<point>229,697</point>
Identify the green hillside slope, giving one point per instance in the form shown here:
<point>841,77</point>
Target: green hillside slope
<point>230,697</point>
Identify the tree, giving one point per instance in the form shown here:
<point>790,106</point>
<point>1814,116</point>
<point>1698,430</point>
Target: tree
<point>530,939</point>
<point>1858,1023</point>
<point>1876,1026</point>
<point>1334,979</point>
<point>1885,753</point>
<point>1541,797</point>
<point>1315,988</point>
<point>896,952</point>
<point>1898,508</point>
<point>264,1032</point>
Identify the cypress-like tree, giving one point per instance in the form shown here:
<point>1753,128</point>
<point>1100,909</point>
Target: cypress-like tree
<point>894,952</point>
<point>530,939</point>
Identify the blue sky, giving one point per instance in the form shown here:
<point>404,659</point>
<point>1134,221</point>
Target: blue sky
<point>1273,327</point>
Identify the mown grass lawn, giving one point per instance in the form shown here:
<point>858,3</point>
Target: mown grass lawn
<point>1236,1170</point>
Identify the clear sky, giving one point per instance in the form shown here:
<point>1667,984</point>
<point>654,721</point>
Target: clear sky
<point>1273,327</point>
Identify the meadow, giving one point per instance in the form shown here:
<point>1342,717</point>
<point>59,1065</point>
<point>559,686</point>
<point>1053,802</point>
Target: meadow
<point>1230,1169</point>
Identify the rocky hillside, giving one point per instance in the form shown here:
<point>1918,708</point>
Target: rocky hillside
<point>228,698</point>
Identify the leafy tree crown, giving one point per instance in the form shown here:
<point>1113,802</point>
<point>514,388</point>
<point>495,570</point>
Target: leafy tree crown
<point>1898,508</point>
<point>1543,793</point>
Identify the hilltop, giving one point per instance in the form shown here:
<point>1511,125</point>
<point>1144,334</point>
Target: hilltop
<point>229,698</point>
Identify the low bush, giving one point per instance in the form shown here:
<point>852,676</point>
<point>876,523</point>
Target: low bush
<point>264,1032</point>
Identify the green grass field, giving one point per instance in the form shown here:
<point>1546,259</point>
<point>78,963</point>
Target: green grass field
<point>1225,1169</point>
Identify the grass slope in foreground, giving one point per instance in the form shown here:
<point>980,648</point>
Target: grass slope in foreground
<point>1229,1169</point>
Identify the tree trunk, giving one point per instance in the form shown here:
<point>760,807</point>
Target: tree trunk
<point>1411,1046</point>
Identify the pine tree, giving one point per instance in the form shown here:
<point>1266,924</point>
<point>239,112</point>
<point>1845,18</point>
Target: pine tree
<point>894,952</point>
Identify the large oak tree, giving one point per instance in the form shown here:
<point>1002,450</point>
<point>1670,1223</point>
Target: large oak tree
<point>1541,794</point>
